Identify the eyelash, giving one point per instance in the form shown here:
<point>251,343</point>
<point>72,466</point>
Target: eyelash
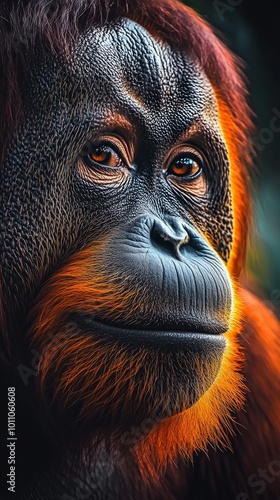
<point>106,147</point>
<point>178,168</point>
<point>184,161</point>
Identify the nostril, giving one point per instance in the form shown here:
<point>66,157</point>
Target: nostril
<point>169,236</point>
<point>185,240</point>
<point>160,239</point>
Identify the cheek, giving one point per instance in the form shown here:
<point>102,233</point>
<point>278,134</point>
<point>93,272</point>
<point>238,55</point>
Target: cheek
<point>216,223</point>
<point>239,183</point>
<point>197,188</point>
<point>40,226</point>
<point>221,230</point>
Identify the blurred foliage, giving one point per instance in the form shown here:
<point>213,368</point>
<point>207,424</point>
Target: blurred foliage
<point>250,29</point>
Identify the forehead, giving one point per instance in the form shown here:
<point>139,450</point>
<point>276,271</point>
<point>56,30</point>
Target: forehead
<point>130,60</point>
<point>125,55</point>
<point>122,69</point>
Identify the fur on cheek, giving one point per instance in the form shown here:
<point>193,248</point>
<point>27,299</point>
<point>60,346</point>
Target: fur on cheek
<point>103,382</point>
<point>208,422</point>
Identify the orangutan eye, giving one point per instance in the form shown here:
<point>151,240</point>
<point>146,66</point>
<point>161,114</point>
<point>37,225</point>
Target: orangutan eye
<point>186,171</point>
<point>187,165</point>
<point>104,155</point>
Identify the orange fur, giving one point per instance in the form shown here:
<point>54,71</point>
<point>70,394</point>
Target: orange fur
<point>101,374</point>
<point>84,285</point>
<point>209,421</point>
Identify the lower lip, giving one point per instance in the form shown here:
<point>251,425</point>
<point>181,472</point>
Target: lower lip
<point>195,341</point>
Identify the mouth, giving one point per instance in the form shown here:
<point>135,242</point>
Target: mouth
<point>198,338</point>
<point>113,362</point>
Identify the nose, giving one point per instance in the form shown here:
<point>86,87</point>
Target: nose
<point>170,235</point>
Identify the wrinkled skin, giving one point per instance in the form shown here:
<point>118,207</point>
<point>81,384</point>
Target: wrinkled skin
<point>120,81</point>
<point>168,238</point>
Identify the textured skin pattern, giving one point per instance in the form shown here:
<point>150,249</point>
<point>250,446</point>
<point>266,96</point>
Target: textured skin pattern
<point>49,211</point>
<point>162,94</point>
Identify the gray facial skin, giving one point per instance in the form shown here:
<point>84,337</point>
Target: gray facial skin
<point>121,83</point>
<point>156,99</point>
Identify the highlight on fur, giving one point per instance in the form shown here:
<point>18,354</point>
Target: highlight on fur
<point>105,382</point>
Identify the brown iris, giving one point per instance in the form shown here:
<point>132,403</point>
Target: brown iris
<point>105,155</point>
<point>185,166</point>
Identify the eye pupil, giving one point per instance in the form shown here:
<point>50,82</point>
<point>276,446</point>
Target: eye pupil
<point>105,155</point>
<point>100,155</point>
<point>185,166</point>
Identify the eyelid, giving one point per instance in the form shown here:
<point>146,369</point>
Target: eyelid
<point>116,143</point>
<point>180,151</point>
<point>197,186</point>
